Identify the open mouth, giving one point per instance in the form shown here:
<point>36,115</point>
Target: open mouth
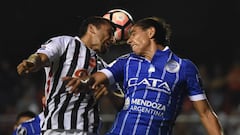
<point>133,46</point>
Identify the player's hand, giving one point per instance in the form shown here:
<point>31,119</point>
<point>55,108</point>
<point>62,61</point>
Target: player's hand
<point>76,84</point>
<point>100,92</point>
<point>25,67</point>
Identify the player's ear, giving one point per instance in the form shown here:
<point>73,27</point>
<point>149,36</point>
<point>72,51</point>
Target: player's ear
<point>151,32</point>
<point>92,28</point>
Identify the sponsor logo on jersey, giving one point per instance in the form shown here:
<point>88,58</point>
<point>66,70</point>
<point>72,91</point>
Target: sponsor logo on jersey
<point>126,103</point>
<point>81,73</point>
<point>147,106</point>
<point>150,83</point>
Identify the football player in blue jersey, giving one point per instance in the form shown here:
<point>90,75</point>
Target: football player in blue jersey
<point>30,127</point>
<point>22,117</point>
<point>155,82</point>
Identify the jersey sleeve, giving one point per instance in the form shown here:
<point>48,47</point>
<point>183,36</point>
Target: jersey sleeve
<point>115,71</point>
<point>194,82</point>
<point>54,47</point>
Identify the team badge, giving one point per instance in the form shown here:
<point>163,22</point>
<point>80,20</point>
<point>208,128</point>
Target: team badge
<point>172,66</point>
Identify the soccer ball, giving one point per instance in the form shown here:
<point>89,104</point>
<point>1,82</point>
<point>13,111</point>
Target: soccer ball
<point>123,22</point>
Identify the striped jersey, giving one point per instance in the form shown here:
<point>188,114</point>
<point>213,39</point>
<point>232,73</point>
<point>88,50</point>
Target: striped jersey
<point>68,57</point>
<point>154,91</point>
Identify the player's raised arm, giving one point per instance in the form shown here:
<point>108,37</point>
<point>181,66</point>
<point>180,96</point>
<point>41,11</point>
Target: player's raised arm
<point>32,64</point>
<point>79,84</point>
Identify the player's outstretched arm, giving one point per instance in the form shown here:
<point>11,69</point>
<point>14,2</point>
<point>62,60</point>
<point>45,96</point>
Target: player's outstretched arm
<point>97,79</point>
<point>208,117</point>
<point>76,84</point>
<point>34,62</point>
<point>97,83</point>
<point>84,83</point>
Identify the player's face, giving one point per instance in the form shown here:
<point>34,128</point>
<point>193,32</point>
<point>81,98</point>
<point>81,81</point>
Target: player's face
<point>104,38</point>
<point>139,40</point>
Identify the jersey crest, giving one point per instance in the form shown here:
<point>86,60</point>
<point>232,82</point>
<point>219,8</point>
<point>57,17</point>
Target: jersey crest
<point>172,66</point>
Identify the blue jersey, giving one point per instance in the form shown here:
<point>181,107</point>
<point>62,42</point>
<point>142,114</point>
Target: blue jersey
<point>154,91</point>
<point>30,127</point>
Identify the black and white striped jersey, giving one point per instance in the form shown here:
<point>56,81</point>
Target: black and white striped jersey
<point>68,57</point>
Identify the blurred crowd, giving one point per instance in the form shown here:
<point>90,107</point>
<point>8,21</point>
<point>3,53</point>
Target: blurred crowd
<point>17,94</point>
<point>222,86</point>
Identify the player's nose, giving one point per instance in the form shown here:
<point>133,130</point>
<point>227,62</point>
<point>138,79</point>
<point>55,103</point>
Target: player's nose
<point>129,41</point>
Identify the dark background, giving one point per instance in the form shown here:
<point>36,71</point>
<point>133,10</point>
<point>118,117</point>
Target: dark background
<point>205,31</point>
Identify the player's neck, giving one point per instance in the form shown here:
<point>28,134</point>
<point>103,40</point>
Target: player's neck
<point>86,40</point>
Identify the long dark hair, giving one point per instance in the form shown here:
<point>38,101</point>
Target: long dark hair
<point>163,30</point>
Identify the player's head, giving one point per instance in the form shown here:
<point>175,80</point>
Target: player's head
<point>23,116</point>
<point>162,30</point>
<point>147,32</point>
<point>97,33</point>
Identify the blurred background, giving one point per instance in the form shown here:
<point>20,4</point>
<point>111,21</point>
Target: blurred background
<point>207,32</point>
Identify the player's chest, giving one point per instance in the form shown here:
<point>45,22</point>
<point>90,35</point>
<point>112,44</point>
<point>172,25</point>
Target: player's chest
<point>153,74</point>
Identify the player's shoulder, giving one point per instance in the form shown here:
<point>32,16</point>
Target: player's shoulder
<point>120,59</point>
<point>189,65</point>
<point>62,38</point>
<point>188,62</point>
<point>125,56</point>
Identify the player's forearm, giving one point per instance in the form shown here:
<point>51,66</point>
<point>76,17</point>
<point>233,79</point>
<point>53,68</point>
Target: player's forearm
<point>212,124</point>
<point>208,117</point>
<point>39,61</point>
